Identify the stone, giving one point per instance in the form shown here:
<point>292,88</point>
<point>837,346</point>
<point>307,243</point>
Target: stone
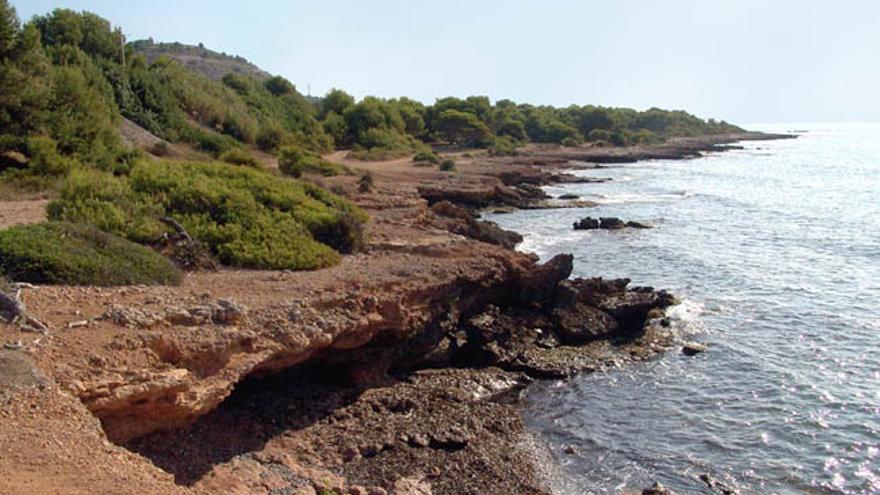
<point>569,196</point>
<point>656,489</point>
<point>638,225</point>
<point>693,348</point>
<point>539,284</point>
<point>582,323</point>
<point>611,223</point>
<point>588,223</point>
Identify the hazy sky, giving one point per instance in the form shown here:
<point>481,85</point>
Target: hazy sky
<point>747,61</point>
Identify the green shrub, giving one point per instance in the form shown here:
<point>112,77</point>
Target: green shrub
<point>504,146</point>
<point>600,135</point>
<point>295,161</point>
<point>644,136</point>
<point>447,166</point>
<point>365,183</point>
<point>238,156</point>
<point>426,156</point>
<point>570,142</point>
<point>247,217</point>
<point>70,254</point>
<point>270,137</point>
<point>160,149</point>
<point>215,144</point>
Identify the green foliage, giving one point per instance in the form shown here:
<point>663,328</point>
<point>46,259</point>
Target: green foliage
<point>246,217</point>
<point>65,253</point>
<point>570,142</point>
<point>365,183</point>
<point>278,86</point>
<point>643,136</point>
<point>295,161</point>
<point>45,159</point>
<point>504,146</point>
<point>447,166</point>
<point>462,128</point>
<point>336,101</point>
<point>270,137</point>
<point>238,156</point>
<point>427,156</point>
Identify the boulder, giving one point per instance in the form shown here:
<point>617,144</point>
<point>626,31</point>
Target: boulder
<point>588,223</point>
<point>582,323</point>
<point>460,221</point>
<point>656,489</point>
<point>611,223</point>
<point>538,285</point>
<point>638,225</point>
<point>693,348</point>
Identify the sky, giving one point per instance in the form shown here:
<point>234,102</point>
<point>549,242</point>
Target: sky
<point>745,61</point>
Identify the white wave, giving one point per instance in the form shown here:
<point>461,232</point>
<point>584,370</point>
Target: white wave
<point>610,199</point>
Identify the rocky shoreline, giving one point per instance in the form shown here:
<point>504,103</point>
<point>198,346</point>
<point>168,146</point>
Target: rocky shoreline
<point>395,372</point>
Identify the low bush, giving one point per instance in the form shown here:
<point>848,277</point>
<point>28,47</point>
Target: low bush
<point>160,149</point>
<point>70,254</point>
<point>247,217</point>
<point>504,146</point>
<point>570,142</point>
<point>365,183</point>
<point>385,144</point>
<point>295,161</point>
<point>427,156</point>
<point>240,157</point>
<point>447,166</point>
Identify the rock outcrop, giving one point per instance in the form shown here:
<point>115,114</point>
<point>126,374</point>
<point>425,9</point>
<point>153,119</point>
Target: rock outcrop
<point>607,223</point>
<point>461,221</point>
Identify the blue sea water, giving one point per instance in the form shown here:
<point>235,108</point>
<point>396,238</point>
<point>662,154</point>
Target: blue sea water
<point>775,252</point>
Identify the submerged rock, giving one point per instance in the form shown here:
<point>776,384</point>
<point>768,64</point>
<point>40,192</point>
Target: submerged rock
<point>638,225</point>
<point>568,196</point>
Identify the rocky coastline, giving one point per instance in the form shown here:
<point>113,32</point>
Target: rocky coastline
<point>396,372</point>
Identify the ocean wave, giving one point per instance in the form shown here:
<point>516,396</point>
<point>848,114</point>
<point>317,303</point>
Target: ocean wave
<point>622,198</point>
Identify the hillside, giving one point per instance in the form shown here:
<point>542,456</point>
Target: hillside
<point>211,64</point>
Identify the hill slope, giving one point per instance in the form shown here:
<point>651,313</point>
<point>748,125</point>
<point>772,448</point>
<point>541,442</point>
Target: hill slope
<point>211,64</point>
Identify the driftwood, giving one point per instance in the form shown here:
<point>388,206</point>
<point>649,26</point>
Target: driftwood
<point>174,224</point>
<point>12,310</point>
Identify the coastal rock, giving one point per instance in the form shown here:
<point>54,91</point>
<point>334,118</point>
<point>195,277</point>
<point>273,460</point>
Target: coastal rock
<point>638,225</point>
<point>583,323</point>
<point>588,223</point>
<point>693,348</point>
<point>539,284</point>
<point>657,489</point>
<point>608,223</point>
<point>568,196</point>
<point>462,222</point>
<point>611,223</point>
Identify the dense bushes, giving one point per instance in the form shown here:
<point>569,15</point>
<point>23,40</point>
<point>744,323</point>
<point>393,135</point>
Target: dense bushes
<point>241,157</point>
<point>247,217</point>
<point>426,156</point>
<point>64,253</point>
<point>295,162</point>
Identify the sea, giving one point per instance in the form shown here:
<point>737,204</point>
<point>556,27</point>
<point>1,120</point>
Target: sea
<point>774,253</point>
